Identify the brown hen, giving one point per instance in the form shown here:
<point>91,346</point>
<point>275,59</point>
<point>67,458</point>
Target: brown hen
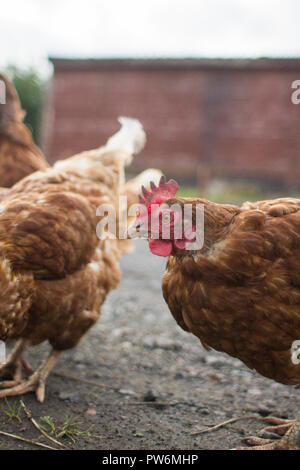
<point>239,291</point>
<point>55,273</point>
<point>19,156</point>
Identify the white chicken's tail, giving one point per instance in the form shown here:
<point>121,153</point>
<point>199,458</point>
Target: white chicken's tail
<point>108,162</point>
<point>130,139</point>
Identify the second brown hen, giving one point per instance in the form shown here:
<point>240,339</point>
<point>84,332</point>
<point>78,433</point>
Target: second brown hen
<point>54,271</point>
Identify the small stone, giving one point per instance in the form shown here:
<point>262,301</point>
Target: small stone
<point>254,391</point>
<point>264,411</point>
<point>149,342</point>
<point>215,377</point>
<point>125,391</point>
<point>150,396</point>
<point>215,361</point>
<point>91,412</point>
<point>204,411</point>
<point>180,375</point>
<point>71,396</point>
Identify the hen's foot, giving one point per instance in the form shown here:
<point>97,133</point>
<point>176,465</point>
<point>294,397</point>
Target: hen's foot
<point>12,369</point>
<point>26,366</point>
<point>35,383</point>
<point>289,429</point>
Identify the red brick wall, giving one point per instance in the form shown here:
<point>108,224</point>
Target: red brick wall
<point>228,119</point>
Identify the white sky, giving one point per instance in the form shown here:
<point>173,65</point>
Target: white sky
<point>31,30</point>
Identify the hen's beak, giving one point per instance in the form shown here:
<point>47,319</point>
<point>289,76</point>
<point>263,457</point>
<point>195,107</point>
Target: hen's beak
<point>135,231</point>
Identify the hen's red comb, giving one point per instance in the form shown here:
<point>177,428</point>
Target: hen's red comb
<point>158,194</point>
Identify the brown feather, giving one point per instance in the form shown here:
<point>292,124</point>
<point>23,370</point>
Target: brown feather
<point>19,156</point>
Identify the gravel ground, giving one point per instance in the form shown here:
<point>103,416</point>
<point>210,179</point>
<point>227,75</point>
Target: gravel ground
<point>136,381</point>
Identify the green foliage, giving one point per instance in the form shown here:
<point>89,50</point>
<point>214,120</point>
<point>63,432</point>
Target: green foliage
<point>48,424</point>
<point>69,429</point>
<point>31,89</point>
<point>12,410</point>
<point>235,193</point>
<point>187,191</point>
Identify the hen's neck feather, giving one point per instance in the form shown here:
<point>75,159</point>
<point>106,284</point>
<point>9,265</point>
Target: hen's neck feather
<point>217,222</point>
<point>15,300</point>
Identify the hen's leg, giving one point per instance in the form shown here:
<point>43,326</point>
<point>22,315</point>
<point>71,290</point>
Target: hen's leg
<point>289,429</point>
<point>15,361</point>
<point>35,383</point>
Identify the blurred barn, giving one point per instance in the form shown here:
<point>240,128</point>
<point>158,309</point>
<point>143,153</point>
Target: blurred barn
<point>205,118</point>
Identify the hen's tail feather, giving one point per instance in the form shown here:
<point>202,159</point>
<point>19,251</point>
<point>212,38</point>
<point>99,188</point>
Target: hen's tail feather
<point>131,139</point>
<point>119,148</point>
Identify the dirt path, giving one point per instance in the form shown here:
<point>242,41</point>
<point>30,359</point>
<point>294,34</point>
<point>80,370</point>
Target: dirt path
<point>137,354</point>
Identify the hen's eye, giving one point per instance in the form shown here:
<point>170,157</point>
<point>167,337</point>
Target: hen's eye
<point>166,218</point>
